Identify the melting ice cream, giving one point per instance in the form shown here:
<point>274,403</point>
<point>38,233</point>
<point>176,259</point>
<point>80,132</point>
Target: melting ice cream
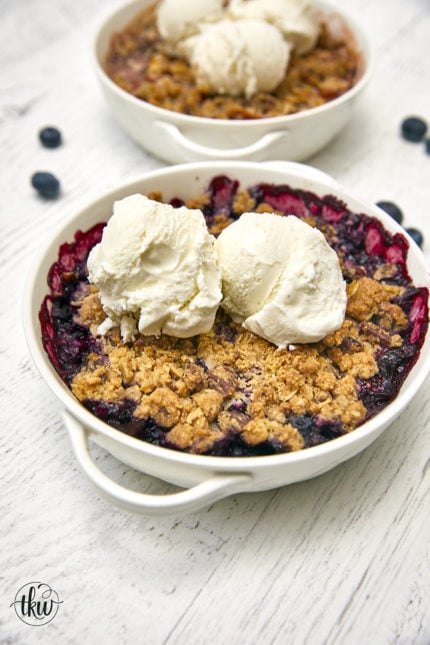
<point>281,279</point>
<point>241,48</point>
<point>156,270</point>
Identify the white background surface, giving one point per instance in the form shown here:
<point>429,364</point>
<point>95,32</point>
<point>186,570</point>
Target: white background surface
<point>341,559</point>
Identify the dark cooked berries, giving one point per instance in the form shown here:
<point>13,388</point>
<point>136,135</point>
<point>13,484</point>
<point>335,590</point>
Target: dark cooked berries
<point>50,137</point>
<point>413,128</point>
<point>46,184</point>
<point>392,209</point>
<point>222,191</point>
<point>416,235</point>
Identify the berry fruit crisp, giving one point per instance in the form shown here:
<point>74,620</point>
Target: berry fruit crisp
<point>141,62</point>
<point>228,392</point>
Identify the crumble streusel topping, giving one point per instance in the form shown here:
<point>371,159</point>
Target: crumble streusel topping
<point>164,377</point>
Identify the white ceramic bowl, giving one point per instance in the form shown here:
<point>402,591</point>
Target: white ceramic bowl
<point>205,478</point>
<point>178,138</point>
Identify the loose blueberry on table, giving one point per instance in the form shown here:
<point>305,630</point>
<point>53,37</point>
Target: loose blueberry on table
<point>413,129</point>
<point>50,137</point>
<point>416,235</point>
<point>392,209</point>
<point>227,392</point>
<point>46,184</point>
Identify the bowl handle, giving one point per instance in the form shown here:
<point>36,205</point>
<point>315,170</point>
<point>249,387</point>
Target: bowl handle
<point>192,499</point>
<point>208,153</point>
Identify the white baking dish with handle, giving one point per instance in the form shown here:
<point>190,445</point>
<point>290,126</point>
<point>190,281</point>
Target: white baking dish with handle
<point>178,138</point>
<point>205,479</point>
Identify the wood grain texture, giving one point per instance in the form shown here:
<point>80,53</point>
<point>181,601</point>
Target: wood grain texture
<point>340,559</point>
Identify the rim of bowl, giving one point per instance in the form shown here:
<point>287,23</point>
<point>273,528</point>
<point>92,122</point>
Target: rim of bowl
<point>31,308</point>
<point>359,35</point>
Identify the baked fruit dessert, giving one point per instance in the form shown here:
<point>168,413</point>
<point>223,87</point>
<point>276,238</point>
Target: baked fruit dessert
<point>228,391</point>
<point>240,59</point>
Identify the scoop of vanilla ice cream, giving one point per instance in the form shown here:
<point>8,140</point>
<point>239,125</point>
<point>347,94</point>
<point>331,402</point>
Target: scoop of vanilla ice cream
<point>267,52</point>
<point>179,19</point>
<point>280,279</point>
<point>238,57</point>
<point>156,270</point>
<point>218,57</point>
<point>296,19</point>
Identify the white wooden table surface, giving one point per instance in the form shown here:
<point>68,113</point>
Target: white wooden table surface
<point>341,559</point>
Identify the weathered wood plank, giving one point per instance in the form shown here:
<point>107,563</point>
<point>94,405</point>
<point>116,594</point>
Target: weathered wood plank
<point>341,559</point>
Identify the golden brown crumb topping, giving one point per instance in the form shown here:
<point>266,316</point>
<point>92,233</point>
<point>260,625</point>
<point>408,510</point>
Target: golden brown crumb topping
<point>194,388</point>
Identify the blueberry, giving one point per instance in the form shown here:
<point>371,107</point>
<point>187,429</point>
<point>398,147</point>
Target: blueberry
<point>46,184</point>
<point>427,146</point>
<point>50,137</point>
<point>416,235</point>
<point>413,128</point>
<point>392,209</point>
